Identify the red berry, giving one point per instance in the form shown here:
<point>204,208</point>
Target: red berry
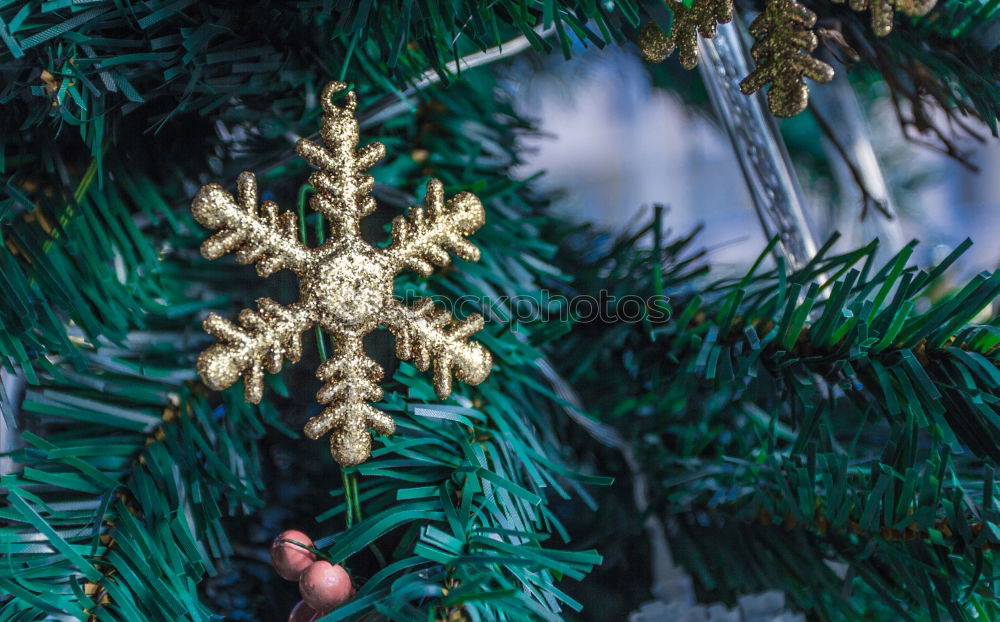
<point>324,586</point>
<point>289,555</point>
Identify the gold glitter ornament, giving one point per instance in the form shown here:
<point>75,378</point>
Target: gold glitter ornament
<point>882,11</point>
<point>784,40</point>
<point>345,285</point>
<point>654,44</point>
<point>703,16</point>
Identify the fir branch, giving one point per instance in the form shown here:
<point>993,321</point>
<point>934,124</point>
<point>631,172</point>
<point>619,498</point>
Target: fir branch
<point>117,512</point>
<point>830,406</point>
<point>938,61</point>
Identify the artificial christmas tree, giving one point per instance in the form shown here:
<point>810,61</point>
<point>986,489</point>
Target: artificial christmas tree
<point>822,427</point>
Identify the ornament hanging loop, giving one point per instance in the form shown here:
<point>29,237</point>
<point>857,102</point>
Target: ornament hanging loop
<point>331,89</point>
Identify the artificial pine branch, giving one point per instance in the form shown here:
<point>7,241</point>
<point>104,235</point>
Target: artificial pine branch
<point>503,548</point>
<point>109,254</point>
<point>117,512</point>
<point>74,68</point>
<point>835,409</point>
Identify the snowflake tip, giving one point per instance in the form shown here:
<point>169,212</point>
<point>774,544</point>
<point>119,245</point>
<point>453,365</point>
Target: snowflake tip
<point>216,367</point>
<point>203,206</point>
<point>348,423</point>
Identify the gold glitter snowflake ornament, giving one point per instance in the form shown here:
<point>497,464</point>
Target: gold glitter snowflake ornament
<point>345,285</point>
<point>784,40</point>
<point>702,17</point>
<point>882,11</point>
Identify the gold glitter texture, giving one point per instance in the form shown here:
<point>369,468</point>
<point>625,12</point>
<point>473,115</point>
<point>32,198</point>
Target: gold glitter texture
<point>784,39</point>
<point>703,16</point>
<point>882,11</point>
<point>345,285</point>
<point>654,44</point>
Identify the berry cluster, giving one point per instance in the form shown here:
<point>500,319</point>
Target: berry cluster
<point>323,585</point>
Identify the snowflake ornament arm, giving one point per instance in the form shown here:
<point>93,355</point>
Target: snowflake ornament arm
<point>420,241</point>
<point>266,336</point>
<point>351,383</point>
<point>343,190</point>
<point>424,236</point>
<point>345,285</point>
<point>260,235</point>
<point>272,332</point>
<point>423,332</point>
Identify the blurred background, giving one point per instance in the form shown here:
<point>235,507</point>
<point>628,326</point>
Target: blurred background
<point>617,139</point>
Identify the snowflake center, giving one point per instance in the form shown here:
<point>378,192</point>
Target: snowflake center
<point>349,288</point>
